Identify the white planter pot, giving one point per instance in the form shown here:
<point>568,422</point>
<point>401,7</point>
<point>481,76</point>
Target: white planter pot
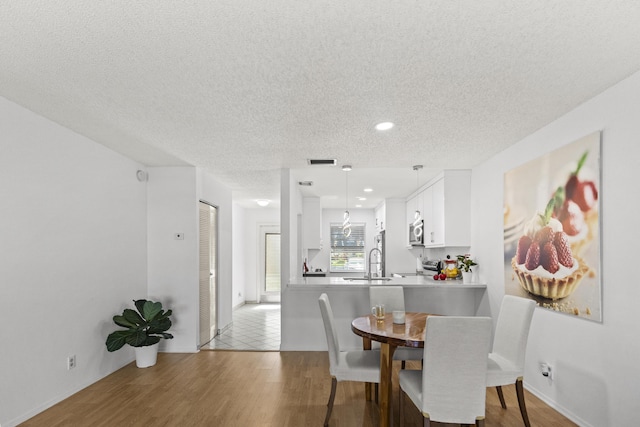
<point>476,274</point>
<point>467,277</point>
<point>146,356</point>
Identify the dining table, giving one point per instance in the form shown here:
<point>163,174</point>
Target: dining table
<point>390,336</point>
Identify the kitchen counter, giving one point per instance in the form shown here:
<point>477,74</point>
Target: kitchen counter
<point>301,323</point>
<point>314,274</point>
<point>416,280</point>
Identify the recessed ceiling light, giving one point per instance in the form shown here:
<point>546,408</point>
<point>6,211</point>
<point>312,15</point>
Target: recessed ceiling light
<point>384,126</point>
<point>358,206</point>
<point>263,202</point>
<point>368,190</point>
<point>362,199</point>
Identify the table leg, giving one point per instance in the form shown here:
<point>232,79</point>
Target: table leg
<point>386,369</point>
<point>366,345</point>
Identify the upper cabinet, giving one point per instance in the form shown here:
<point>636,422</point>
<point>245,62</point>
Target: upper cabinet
<point>432,217</point>
<point>446,207</point>
<point>312,223</point>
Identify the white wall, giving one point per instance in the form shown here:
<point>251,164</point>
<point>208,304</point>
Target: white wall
<point>290,213</point>
<point>72,255</point>
<point>247,222</point>
<point>173,264</point>
<point>240,250</point>
<point>173,197</point>
<point>81,238</point>
<point>596,364</point>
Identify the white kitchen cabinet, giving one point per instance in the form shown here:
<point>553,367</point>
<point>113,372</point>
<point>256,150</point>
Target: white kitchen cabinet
<point>446,209</point>
<point>436,232</point>
<point>312,223</point>
<point>416,202</point>
<point>427,214</point>
<point>380,214</point>
<point>430,213</point>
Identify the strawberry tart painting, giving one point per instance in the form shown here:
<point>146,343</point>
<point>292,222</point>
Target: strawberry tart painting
<point>552,229</point>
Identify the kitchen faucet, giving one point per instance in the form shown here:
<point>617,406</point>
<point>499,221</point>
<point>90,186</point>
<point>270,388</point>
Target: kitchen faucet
<point>369,267</point>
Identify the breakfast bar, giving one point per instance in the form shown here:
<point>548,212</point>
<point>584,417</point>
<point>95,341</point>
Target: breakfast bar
<point>302,327</point>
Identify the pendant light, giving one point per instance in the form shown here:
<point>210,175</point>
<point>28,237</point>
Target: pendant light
<point>417,217</point>
<point>346,224</point>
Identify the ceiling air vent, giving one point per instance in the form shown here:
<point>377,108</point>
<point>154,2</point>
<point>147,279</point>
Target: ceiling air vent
<point>314,162</point>
<point>305,183</point>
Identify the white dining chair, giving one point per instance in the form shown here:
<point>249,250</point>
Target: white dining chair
<point>450,388</point>
<point>393,299</point>
<point>506,360</point>
<point>356,365</point>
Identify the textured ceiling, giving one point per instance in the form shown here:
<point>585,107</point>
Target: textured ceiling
<point>243,88</point>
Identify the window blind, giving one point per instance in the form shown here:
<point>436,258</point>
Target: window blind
<point>347,253</point>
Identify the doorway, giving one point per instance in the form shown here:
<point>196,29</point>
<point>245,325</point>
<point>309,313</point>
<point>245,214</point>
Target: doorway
<point>208,272</point>
<point>269,264</point>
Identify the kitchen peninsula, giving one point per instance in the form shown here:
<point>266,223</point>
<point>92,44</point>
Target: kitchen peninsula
<point>302,327</point>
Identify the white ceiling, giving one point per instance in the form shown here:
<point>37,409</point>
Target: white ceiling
<point>243,88</point>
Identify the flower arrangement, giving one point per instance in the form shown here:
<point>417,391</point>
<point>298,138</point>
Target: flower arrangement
<point>465,263</point>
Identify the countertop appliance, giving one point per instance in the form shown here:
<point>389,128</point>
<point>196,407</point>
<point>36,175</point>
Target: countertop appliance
<point>434,266</point>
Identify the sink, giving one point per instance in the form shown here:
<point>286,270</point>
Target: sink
<point>364,278</point>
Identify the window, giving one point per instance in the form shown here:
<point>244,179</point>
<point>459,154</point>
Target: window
<point>347,253</point>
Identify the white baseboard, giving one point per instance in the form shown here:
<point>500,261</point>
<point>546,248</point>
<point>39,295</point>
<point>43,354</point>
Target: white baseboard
<point>48,404</point>
<point>561,409</point>
<point>240,304</point>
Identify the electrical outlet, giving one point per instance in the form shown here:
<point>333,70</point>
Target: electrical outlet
<point>71,362</point>
<point>546,371</point>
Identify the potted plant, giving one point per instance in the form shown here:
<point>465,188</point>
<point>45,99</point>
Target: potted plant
<point>144,329</point>
<point>464,264</point>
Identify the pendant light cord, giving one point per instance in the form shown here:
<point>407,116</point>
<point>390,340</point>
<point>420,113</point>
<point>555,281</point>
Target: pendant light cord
<point>346,224</point>
<point>417,217</point>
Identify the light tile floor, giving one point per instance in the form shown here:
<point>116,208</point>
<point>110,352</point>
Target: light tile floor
<point>256,327</point>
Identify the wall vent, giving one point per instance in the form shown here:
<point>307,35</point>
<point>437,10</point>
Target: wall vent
<point>330,162</point>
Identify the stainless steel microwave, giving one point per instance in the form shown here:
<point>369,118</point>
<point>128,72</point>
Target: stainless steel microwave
<point>413,240</point>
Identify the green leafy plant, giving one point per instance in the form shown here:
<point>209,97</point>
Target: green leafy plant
<point>145,327</point>
<point>465,263</point>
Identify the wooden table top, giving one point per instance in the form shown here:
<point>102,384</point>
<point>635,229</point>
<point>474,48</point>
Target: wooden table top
<point>409,334</point>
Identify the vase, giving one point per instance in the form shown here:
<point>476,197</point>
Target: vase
<point>146,356</point>
<point>467,277</point>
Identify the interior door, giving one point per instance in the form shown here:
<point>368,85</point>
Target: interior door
<point>269,264</point>
<point>208,271</point>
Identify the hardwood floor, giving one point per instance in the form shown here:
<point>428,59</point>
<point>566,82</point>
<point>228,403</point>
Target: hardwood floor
<point>227,388</point>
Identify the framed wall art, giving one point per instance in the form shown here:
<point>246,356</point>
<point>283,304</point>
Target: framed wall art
<point>552,229</point>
